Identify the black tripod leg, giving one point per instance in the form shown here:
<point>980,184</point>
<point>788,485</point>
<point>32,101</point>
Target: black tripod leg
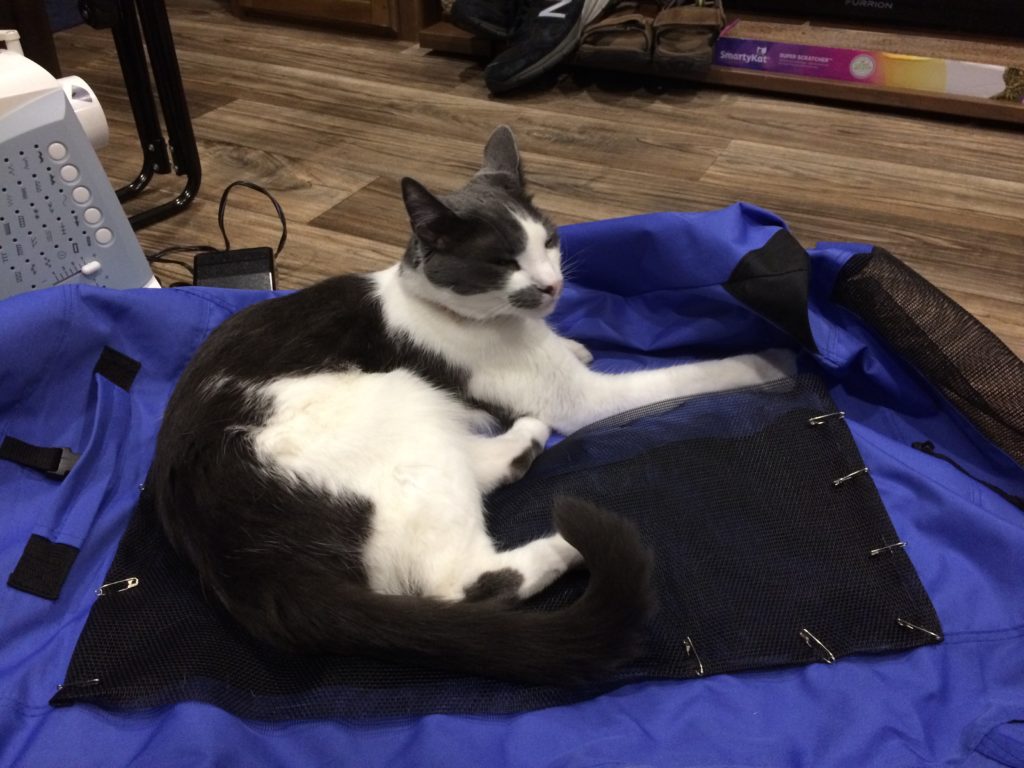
<point>128,42</point>
<point>156,29</point>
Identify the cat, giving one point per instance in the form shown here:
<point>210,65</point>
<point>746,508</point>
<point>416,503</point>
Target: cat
<point>323,459</point>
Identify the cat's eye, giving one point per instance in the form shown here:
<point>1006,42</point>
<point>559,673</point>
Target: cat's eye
<point>552,240</point>
<point>508,264</point>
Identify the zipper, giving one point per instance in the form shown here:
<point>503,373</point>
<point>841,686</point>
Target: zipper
<point>927,446</point>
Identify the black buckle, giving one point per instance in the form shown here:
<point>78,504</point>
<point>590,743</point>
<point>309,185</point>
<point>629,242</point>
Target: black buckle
<point>55,462</point>
<point>65,463</point>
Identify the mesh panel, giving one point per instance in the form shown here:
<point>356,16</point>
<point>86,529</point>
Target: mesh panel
<point>754,547</point>
<point>960,356</point>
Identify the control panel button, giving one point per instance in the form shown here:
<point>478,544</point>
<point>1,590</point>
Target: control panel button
<point>92,267</point>
<point>92,215</point>
<point>103,236</point>
<point>81,194</point>
<point>69,172</point>
<point>57,151</point>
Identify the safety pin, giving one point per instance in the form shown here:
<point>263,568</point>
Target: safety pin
<point>908,625</point>
<point>808,638</point>
<point>888,548</point>
<point>846,478</point>
<point>692,651</point>
<point>122,586</point>
<point>817,421</point>
<point>80,684</point>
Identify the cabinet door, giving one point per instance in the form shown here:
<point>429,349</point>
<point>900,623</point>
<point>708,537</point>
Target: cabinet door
<point>382,14</point>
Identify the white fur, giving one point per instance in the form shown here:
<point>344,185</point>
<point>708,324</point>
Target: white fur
<point>416,452</point>
<point>519,362</point>
<point>411,449</point>
<point>538,265</point>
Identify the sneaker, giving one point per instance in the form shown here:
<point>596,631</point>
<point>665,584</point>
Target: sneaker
<point>487,18</point>
<point>548,35</point>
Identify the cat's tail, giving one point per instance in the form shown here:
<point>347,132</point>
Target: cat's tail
<point>581,642</point>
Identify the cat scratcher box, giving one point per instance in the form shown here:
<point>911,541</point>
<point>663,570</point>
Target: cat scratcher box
<point>874,59</point>
<point>931,401</point>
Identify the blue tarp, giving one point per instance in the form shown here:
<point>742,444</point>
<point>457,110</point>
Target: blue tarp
<point>644,291</point>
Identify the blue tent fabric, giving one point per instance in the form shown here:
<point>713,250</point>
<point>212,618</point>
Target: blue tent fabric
<point>644,291</point>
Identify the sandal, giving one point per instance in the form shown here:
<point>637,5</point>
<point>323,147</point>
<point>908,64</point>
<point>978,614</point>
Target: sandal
<point>685,35</point>
<point>622,39</point>
<point>1014,79</point>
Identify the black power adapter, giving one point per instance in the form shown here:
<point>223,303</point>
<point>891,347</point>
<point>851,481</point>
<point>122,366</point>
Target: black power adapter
<point>248,268</point>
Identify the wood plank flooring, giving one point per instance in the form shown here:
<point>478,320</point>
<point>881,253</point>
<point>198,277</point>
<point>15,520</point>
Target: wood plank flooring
<point>330,122</point>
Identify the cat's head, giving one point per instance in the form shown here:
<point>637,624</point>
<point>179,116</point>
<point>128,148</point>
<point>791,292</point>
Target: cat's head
<point>485,250</point>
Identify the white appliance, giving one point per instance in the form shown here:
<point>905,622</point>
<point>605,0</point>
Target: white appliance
<point>60,219</point>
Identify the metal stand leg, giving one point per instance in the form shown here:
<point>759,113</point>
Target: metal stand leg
<point>126,18</point>
<point>132,56</point>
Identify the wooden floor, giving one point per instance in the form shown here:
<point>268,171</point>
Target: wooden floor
<point>331,121</point>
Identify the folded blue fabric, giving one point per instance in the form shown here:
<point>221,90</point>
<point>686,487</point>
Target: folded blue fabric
<point>644,291</point>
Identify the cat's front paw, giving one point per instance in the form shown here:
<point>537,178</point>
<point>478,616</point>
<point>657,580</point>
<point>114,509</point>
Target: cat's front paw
<point>530,435</point>
<point>535,430</point>
<point>581,352</point>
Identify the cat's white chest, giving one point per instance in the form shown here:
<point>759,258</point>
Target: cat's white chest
<point>514,362</point>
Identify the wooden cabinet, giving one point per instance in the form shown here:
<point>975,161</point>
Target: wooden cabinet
<point>29,18</point>
<point>400,18</point>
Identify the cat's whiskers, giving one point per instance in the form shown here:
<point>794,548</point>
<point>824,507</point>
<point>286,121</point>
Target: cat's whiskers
<point>571,263</point>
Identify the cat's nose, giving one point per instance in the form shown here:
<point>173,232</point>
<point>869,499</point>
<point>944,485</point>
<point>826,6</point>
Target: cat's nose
<point>554,289</point>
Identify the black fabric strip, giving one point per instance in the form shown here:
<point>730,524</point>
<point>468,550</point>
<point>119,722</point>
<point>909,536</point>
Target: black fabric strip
<point>43,567</point>
<point>56,462</point>
<point>773,281</point>
<point>117,367</point>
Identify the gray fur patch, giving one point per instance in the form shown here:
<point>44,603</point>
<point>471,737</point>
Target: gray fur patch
<point>503,584</point>
<point>527,298</point>
<point>465,277</point>
<point>521,463</point>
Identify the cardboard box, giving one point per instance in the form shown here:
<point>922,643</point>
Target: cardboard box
<point>824,53</point>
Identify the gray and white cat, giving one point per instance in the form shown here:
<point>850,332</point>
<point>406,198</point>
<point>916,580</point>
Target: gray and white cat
<point>324,458</point>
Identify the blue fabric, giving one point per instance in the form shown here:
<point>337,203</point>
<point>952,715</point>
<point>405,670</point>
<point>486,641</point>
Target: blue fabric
<point>645,291</point>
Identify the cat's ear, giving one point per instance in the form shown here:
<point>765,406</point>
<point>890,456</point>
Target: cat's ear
<point>432,221</point>
<point>501,155</point>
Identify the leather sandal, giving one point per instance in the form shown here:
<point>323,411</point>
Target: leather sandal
<point>685,35</point>
<point>623,38</point>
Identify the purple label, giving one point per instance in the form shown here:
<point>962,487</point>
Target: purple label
<point>790,59</point>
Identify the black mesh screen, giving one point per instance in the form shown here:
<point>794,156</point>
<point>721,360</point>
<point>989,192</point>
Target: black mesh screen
<point>960,356</point>
<point>760,560</point>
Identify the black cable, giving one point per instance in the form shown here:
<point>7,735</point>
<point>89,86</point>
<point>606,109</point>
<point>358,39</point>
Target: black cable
<point>184,264</point>
<point>261,190</point>
<point>161,256</point>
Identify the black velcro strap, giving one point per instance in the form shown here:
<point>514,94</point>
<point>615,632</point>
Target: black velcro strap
<point>117,367</point>
<point>43,567</point>
<point>56,462</point>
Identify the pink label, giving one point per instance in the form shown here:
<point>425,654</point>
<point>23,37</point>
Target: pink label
<point>806,60</point>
